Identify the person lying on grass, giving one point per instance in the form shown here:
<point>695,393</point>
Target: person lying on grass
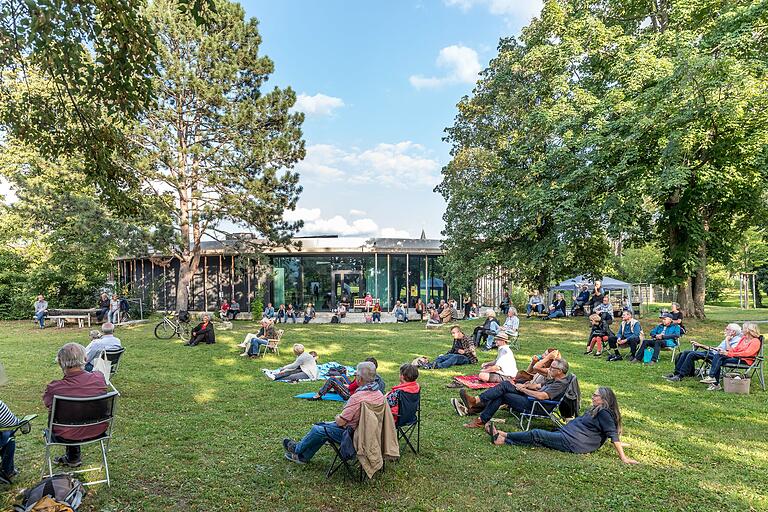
<point>345,386</point>
<point>303,368</point>
<point>462,352</point>
<point>515,395</point>
<point>502,368</point>
<point>585,434</point>
<point>252,342</point>
<point>408,375</point>
<point>301,452</point>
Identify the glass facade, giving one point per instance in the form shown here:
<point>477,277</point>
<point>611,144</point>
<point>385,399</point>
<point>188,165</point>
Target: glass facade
<point>329,280</point>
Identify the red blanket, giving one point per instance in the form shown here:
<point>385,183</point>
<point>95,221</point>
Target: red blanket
<point>472,382</point>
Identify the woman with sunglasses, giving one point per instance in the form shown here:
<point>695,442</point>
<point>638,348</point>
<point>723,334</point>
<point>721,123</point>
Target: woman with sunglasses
<point>585,434</point>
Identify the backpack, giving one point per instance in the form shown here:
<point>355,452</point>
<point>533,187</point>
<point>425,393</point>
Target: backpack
<point>335,319</point>
<point>57,493</point>
<point>184,316</point>
<point>124,306</point>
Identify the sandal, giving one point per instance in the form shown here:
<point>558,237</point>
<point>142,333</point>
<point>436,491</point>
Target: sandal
<point>492,431</point>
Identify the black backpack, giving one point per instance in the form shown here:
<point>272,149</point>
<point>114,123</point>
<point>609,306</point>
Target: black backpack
<point>184,316</point>
<point>63,488</point>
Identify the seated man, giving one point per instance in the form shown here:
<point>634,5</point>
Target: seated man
<point>580,300</point>
<point>203,332</point>
<point>107,341</point>
<point>744,352</point>
<point>77,383</point>
<point>290,314</point>
<point>516,395</point>
<point>306,448</point>
<point>504,367</point>
<point>538,368</point>
<point>309,313</point>
<point>252,342</point>
<point>628,334</point>
<point>344,386</point>
<point>535,303</point>
<point>408,375</point>
<point>665,334</point>
<point>41,310</point>
<point>687,359</point>
<point>234,310</point>
<point>462,352</point>
<point>269,311</point>
<point>7,445</point>
<point>487,331</point>
<point>401,314</point>
<point>557,308</point>
<point>605,309</point>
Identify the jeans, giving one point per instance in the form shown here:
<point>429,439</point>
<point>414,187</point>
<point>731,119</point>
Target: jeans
<point>306,319</point>
<point>100,314</point>
<point>656,344</point>
<point>529,308</point>
<point>503,393</point>
<point>114,316</point>
<point>558,313</point>
<point>376,317</point>
<point>315,438</point>
<point>631,341</point>
<point>291,375</point>
<point>447,360</point>
<point>538,437</point>
<point>717,362</point>
<point>7,450</point>
<point>40,317</point>
<point>253,349</point>
<point>401,316</point>
<point>686,360</point>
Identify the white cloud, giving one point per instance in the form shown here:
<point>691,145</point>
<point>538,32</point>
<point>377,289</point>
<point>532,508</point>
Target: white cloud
<point>394,233</point>
<point>317,105</point>
<point>461,65</point>
<point>357,213</point>
<point>511,10</point>
<point>403,164</point>
<point>316,224</point>
<point>305,214</point>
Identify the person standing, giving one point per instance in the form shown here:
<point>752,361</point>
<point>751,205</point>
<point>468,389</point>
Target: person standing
<point>41,310</point>
<point>467,306</point>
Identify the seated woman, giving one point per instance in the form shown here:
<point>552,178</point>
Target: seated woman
<point>598,334</point>
<point>474,311</point>
<point>687,359</point>
<point>344,386</point>
<point>290,314</point>
<point>376,315</point>
<point>203,332</point>
<point>252,342</point>
<point>557,308</point>
<point>224,310</point>
<point>309,313</point>
<point>408,375</point>
<point>434,317</point>
<point>400,312</point>
<point>420,308</point>
<point>342,311</point>
<point>280,314</point>
<point>504,367</point>
<point>512,322</point>
<point>585,434</point>
<point>535,303</point>
<point>487,331</point>
<point>744,352</point>
<point>303,368</point>
<point>368,302</point>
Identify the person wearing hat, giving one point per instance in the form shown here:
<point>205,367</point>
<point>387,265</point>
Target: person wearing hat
<point>487,331</point>
<point>661,336</point>
<point>504,367</point>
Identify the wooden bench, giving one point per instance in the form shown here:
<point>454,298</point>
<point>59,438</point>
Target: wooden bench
<point>360,303</point>
<point>62,319</point>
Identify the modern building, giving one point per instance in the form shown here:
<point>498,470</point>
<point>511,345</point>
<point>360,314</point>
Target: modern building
<point>324,270</point>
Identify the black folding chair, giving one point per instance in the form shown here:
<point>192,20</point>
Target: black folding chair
<point>748,370</point>
<point>409,419</point>
<point>340,461</point>
<point>549,409</point>
<point>113,356</point>
<point>82,412</point>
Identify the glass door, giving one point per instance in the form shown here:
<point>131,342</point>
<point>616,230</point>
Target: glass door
<point>347,285</point>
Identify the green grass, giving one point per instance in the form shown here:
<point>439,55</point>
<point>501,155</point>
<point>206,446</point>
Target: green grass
<point>201,428</point>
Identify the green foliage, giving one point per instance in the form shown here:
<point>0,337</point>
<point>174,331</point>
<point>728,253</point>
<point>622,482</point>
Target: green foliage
<point>638,265</point>
<point>718,283</point>
<point>257,304</point>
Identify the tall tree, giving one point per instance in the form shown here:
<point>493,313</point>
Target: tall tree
<point>216,149</point>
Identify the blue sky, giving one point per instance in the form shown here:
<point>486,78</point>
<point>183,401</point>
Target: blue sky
<point>379,82</point>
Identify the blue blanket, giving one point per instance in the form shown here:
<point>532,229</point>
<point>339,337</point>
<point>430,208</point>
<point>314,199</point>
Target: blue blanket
<point>328,396</point>
<point>322,371</point>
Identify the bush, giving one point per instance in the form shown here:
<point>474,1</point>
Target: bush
<point>718,281</point>
<point>257,304</point>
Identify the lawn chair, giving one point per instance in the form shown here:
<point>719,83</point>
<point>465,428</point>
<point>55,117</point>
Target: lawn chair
<point>273,345</point>
<point>113,356</point>
<point>748,370</point>
<point>79,412</point>
<point>553,410</point>
<point>343,460</point>
<point>409,419</point>
<point>672,345</point>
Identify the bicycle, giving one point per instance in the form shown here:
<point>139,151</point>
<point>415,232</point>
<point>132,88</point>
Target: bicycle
<point>170,325</point>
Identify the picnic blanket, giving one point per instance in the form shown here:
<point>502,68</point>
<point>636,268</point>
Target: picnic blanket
<point>327,396</point>
<point>472,382</point>
<point>322,371</point>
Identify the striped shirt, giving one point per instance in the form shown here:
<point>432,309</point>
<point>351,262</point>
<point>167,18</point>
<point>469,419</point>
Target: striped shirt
<point>7,418</point>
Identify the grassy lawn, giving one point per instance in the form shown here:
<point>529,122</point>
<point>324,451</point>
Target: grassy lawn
<point>201,428</point>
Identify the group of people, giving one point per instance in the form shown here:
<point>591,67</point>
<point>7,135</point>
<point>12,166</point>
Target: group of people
<point>229,310</point>
<point>109,309</point>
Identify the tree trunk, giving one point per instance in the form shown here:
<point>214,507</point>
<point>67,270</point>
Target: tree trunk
<point>700,284</point>
<point>187,268</point>
<point>685,298</point>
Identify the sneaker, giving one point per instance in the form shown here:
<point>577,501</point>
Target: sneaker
<point>708,380</point>
<point>669,375</point>
<point>289,445</point>
<point>64,461</point>
<point>294,458</point>
<point>454,385</point>
<point>673,378</point>
<point>617,357</point>
<point>598,354</point>
<point>588,352</point>
<point>459,407</point>
<point>714,387</point>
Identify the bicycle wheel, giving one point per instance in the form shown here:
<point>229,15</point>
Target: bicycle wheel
<point>164,330</point>
<point>184,331</point>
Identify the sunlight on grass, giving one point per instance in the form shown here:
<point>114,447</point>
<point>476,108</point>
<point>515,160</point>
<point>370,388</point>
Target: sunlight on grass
<point>229,361</point>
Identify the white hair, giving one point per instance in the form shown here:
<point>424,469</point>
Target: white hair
<point>108,328</point>
<point>71,355</point>
<point>366,372</point>
<point>736,328</point>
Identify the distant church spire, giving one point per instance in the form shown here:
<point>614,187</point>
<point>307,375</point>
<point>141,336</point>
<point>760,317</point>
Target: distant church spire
<point>423,234</point>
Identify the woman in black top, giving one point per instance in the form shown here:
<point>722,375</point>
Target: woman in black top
<point>597,296</point>
<point>585,434</point>
<point>202,333</point>
<point>677,316</point>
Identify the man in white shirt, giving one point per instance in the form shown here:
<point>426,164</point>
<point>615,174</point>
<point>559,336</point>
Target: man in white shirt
<point>108,341</point>
<point>504,367</point>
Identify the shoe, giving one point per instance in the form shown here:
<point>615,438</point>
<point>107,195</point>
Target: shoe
<point>708,380</point>
<point>652,363</point>
<point>459,407</point>
<point>617,357</point>
<point>598,354</point>
<point>669,375</point>
<point>244,354</point>
<point>588,352</point>
<point>468,400</point>
<point>289,445</point>
<point>64,461</point>
<point>315,398</point>
<point>476,423</point>
<point>294,458</point>
<point>714,387</point>
<point>454,385</point>
<point>674,378</point>
<point>270,376</point>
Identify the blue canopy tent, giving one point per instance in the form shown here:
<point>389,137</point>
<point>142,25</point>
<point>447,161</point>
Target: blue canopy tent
<point>609,284</point>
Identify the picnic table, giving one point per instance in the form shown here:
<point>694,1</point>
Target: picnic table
<point>81,316</point>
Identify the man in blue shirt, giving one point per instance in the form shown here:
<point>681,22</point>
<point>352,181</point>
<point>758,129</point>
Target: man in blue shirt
<point>628,334</point>
<point>665,334</point>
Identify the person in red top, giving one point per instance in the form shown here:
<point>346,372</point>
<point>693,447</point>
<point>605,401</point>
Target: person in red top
<point>203,332</point>
<point>743,352</point>
<point>77,383</point>
<point>408,375</point>
<point>224,310</point>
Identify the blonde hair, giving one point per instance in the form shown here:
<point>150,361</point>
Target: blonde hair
<point>298,349</point>
<point>751,330</point>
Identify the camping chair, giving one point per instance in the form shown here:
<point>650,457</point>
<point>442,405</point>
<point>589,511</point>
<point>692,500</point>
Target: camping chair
<point>273,345</point>
<point>748,370</point>
<point>551,409</point>
<point>113,356</point>
<point>674,347</point>
<point>339,461</point>
<point>80,412</point>
<point>409,419</point>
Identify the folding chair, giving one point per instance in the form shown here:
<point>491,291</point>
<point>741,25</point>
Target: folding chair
<point>409,419</point>
<point>549,409</point>
<point>674,347</point>
<point>748,370</point>
<point>340,461</point>
<point>113,356</point>
<point>272,345</point>
<point>81,412</point>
